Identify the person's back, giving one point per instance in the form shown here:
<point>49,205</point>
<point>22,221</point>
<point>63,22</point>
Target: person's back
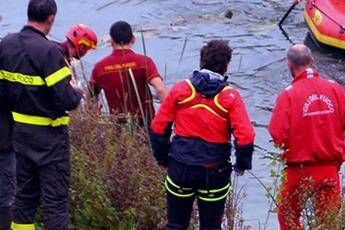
<point>316,118</point>
<point>124,76</point>
<point>113,76</point>
<point>23,64</point>
<point>205,113</point>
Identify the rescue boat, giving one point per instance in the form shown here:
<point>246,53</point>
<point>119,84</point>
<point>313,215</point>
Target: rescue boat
<point>326,21</point>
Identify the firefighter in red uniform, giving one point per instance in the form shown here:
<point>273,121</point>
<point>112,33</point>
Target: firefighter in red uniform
<point>122,90</point>
<point>205,112</point>
<point>308,121</point>
<point>38,91</point>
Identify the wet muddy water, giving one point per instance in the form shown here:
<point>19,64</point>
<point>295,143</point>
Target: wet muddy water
<point>258,68</point>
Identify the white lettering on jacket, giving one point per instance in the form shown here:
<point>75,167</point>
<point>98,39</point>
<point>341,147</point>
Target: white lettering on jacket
<point>317,98</point>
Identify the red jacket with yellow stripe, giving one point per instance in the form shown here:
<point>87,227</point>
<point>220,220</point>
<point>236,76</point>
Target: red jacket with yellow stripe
<point>205,113</point>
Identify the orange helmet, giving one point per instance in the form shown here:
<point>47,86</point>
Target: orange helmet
<point>82,37</point>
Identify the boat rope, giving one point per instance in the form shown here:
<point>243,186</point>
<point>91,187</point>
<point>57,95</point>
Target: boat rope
<point>329,17</point>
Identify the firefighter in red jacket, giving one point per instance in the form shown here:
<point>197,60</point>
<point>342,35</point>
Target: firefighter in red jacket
<point>125,76</point>
<point>38,91</point>
<point>308,122</point>
<point>205,111</point>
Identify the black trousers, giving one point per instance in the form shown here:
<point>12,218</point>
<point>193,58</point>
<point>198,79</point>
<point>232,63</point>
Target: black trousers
<point>43,174</point>
<point>210,186</point>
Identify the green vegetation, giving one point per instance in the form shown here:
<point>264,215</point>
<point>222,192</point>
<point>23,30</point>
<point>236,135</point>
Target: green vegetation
<point>115,181</point>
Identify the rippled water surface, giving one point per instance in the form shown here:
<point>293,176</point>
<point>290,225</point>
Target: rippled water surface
<point>258,68</point>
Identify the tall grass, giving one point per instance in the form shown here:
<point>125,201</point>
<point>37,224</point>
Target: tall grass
<point>115,181</point>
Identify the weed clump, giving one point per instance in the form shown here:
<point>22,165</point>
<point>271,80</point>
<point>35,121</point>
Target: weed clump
<point>115,181</point>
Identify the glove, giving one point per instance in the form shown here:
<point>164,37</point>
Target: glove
<point>161,147</point>
<point>244,154</point>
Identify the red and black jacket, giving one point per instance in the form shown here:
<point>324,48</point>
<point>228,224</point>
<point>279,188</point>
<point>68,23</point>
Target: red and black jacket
<point>205,112</point>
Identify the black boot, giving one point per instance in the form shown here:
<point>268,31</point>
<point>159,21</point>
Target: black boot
<point>5,218</point>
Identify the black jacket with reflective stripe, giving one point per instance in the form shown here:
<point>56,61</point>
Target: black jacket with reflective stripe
<point>35,75</point>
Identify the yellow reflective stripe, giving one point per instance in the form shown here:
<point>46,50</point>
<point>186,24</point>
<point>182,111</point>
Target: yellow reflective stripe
<point>15,226</point>
<point>321,37</point>
<point>176,194</point>
<point>21,78</point>
<point>37,120</point>
<point>175,185</point>
<point>217,102</point>
<point>209,109</point>
<point>59,75</point>
<point>215,199</point>
<point>214,190</point>
<point>192,96</point>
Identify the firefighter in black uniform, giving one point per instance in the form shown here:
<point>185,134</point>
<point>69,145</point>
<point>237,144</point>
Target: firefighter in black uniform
<point>39,91</point>
<point>7,163</point>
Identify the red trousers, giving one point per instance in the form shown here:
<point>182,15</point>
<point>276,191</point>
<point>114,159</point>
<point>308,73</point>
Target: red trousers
<point>319,184</point>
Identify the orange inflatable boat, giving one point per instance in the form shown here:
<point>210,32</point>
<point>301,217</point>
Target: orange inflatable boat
<point>326,21</point>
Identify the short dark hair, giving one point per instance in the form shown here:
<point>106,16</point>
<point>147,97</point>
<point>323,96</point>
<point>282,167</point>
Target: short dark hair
<point>40,10</point>
<point>121,32</point>
<point>215,56</point>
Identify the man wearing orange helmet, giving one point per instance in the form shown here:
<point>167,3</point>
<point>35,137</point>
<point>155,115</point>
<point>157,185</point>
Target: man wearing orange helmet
<point>80,39</point>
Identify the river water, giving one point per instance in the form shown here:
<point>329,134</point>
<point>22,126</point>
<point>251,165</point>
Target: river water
<point>258,68</point>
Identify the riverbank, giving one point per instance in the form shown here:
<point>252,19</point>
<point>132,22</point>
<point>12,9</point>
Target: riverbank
<point>258,68</point>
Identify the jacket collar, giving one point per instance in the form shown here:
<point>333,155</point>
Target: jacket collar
<point>307,73</point>
<point>30,28</point>
<point>213,75</point>
<point>122,51</point>
<point>208,83</point>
